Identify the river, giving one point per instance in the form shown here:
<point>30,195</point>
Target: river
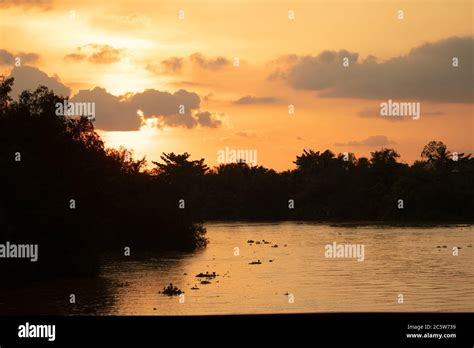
<point>404,269</point>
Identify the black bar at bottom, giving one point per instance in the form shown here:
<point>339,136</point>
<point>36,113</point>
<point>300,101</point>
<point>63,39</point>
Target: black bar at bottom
<point>339,328</point>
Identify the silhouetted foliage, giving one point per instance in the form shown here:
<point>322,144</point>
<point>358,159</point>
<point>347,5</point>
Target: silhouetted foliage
<point>117,204</point>
<point>334,188</point>
<point>120,203</point>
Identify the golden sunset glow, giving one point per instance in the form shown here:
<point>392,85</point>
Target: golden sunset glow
<point>241,58</point>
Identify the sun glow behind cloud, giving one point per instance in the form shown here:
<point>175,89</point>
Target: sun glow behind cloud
<point>124,77</point>
<point>259,33</point>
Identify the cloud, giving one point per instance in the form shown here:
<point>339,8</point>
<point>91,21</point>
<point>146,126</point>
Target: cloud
<point>206,119</point>
<point>374,140</point>
<point>247,100</point>
<point>127,113</point>
<point>112,113</point>
<point>425,73</point>
<point>8,58</point>
<point>173,64</point>
<point>96,54</point>
<point>208,63</point>
<point>75,56</point>
<point>29,78</point>
<point>44,4</point>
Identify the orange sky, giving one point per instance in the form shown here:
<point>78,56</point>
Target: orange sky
<point>124,46</point>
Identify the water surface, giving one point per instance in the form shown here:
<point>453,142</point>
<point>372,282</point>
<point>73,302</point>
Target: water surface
<point>417,263</point>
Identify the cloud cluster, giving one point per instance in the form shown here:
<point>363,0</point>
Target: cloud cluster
<point>174,65</point>
<point>29,78</point>
<point>425,73</point>
<point>208,63</point>
<point>127,113</point>
<point>8,58</point>
<point>96,54</point>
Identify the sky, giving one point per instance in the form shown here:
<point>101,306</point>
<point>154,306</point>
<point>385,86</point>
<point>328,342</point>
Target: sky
<point>240,67</point>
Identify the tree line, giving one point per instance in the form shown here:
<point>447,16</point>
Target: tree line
<point>62,189</point>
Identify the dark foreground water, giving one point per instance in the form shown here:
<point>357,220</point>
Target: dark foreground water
<point>415,266</point>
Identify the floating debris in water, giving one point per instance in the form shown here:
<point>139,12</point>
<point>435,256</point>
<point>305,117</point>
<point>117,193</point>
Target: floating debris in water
<point>275,246</point>
<point>258,262</point>
<point>250,241</point>
<point>284,245</point>
<point>205,282</point>
<point>171,290</point>
<point>195,287</point>
<point>469,246</point>
<point>270,260</point>
<point>207,275</point>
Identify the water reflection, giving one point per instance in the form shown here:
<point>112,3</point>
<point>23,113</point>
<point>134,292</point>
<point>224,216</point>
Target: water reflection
<point>407,261</point>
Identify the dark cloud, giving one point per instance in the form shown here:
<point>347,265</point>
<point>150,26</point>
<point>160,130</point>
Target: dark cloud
<point>96,54</point>
<point>112,113</point>
<point>29,78</point>
<point>374,140</point>
<point>255,100</point>
<point>206,119</point>
<point>425,73</point>
<point>8,58</point>
<point>208,63</point>
<point>121,113</point>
